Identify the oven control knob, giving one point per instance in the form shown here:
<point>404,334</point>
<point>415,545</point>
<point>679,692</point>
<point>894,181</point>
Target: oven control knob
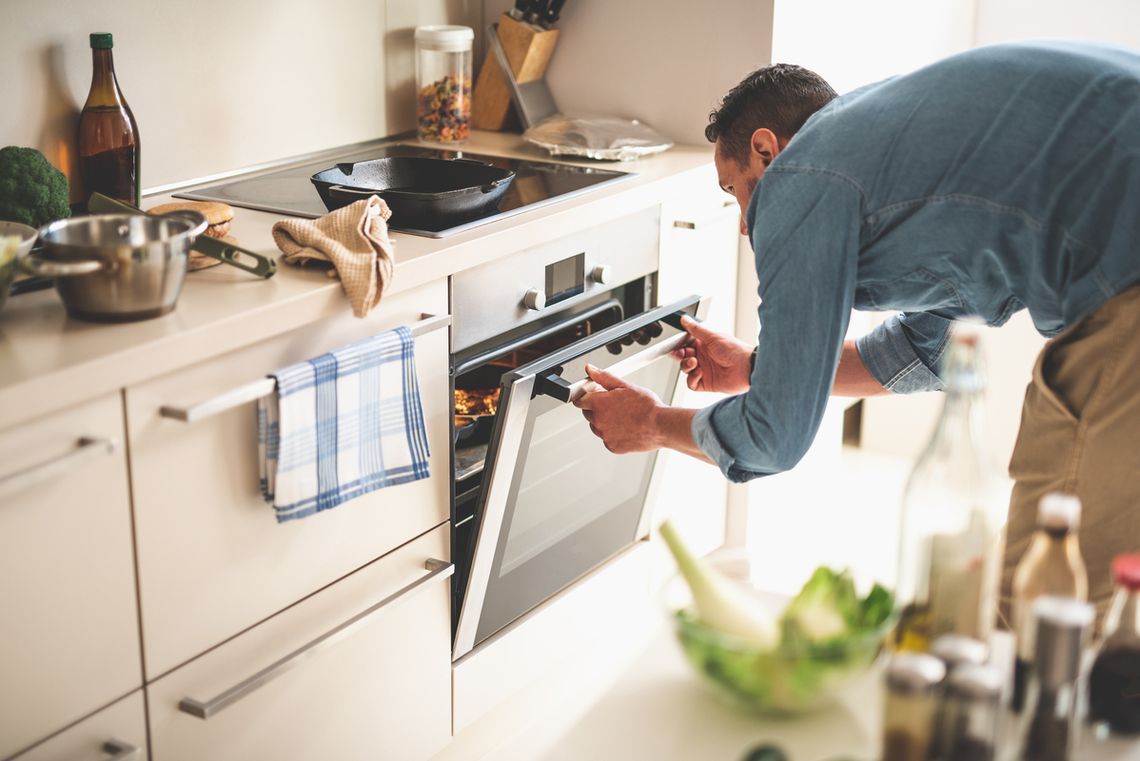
<point>602,274</point>
<point>535,299</point>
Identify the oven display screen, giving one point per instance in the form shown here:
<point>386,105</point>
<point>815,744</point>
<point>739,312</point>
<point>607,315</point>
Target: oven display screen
<point>565,278</point>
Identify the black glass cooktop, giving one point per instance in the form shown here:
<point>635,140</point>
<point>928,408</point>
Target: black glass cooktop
<point>289,191</point>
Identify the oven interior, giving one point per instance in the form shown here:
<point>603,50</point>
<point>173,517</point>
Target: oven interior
<point>476,377</point>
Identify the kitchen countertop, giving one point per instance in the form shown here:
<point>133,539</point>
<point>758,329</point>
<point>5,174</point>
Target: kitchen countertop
<point>657,708</point>
<point>49,361</point>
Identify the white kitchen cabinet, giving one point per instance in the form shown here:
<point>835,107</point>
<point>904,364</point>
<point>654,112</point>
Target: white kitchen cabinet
<point>213,561</point>
<point>69,634</point>
<point>117,733</point>
<point>700,234</point>
<point>378,690</point>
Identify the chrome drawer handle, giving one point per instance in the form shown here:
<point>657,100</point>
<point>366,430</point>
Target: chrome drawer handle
<point>85,448</point>
<point>695,224</point>
<point>119,750</point>
<point>252,391</point>
<point>205,709</point>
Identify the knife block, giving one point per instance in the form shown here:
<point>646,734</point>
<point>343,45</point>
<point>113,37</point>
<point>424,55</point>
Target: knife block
<point>528,48</point>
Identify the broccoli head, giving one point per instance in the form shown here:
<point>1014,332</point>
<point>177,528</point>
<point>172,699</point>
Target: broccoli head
<point>32,191</point>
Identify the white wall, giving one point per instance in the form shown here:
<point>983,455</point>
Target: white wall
<point>1116,21</point>
<point>666,62</point>
<point>854,43</point>
<point>217,84</point>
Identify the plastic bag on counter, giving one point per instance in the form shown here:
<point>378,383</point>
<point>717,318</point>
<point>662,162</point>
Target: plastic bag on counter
<point>606,138</point>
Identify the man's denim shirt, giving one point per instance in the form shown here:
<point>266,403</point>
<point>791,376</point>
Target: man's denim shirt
<point>1004,178</point>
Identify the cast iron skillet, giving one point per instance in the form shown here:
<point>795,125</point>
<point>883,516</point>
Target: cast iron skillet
<point>420,191</point>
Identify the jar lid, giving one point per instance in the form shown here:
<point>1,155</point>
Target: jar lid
<point>1126,571</point>
<point>447,38</point>
<point>1061,511</point>
<point>914,673</point>
<point>975,683</point>
<point>102,41</point>
<point>957,650</point>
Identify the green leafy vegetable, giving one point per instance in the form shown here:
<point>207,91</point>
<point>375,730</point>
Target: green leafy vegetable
<point>719,601</point>
<point>32,191</point>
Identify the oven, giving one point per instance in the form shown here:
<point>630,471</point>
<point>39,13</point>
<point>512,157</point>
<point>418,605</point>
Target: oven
<point>538,502</point>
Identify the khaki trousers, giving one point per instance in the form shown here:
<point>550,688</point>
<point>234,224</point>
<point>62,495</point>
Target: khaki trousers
<point>1080,434</point>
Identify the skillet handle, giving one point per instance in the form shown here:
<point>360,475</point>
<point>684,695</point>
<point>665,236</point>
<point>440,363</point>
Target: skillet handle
<point>351,194</point>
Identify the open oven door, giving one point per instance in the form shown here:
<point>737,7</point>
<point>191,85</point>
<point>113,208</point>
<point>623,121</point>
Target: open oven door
<point>555,502</point>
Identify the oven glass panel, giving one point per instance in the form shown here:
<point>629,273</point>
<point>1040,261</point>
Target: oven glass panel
<point>572,503</point>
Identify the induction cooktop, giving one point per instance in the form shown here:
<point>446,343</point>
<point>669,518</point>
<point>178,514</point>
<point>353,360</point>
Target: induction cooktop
<point>289,191</point>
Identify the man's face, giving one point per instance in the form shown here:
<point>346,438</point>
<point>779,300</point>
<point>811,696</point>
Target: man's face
<point>740,179</point>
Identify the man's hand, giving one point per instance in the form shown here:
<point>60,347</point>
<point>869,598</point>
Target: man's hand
<point>714,362</point>
<point>622,415</point>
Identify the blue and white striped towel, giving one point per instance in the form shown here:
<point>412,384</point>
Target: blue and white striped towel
<point>341,425</point>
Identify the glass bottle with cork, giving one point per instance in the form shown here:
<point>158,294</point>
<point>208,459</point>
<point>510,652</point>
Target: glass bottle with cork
<point>954,509</point>
<point>1051,566</point>
<point>1114,684</point>
<point>108,144</point>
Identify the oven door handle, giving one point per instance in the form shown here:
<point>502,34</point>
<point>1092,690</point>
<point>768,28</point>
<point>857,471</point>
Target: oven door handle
<point>554,385</point>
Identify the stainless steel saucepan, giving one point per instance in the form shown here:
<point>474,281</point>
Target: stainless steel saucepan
<point>118,267</point>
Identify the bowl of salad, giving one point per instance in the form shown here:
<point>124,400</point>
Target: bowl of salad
<point>768,653</point>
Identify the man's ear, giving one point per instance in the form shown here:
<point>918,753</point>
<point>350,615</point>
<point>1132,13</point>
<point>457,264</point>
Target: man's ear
<point>765,145</point>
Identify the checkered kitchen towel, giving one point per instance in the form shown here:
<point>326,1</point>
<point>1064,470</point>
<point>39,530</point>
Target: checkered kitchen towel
<point>341,425</point>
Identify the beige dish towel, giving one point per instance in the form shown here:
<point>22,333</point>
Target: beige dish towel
<point>354,239</point>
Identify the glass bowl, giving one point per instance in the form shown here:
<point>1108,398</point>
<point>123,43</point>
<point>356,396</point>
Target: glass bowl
<point>10,258</point>
<point>790,678</point>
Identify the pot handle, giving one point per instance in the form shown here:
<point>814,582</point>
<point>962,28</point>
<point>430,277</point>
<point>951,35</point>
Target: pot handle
<point>37,266</point>
<point>354,193</point>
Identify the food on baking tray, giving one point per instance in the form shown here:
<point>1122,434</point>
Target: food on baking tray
<point>482,401</point>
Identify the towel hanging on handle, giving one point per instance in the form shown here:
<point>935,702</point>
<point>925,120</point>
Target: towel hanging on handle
<point>341,425</point>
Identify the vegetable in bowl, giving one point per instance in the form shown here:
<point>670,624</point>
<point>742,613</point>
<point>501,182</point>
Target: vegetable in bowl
<point>810,649</point>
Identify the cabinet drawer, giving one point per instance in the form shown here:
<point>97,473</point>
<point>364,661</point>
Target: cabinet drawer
<point>212,558</point>
<point>117,733</point>
<point>69,633</point>
<point>381,689</point>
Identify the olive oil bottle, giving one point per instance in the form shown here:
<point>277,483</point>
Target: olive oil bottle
<point>953,514</point>
<point>108,144</point>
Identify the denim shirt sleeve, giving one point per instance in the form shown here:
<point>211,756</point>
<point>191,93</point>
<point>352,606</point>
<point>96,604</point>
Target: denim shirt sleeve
<point>904,351</point>
<point>805,234</point>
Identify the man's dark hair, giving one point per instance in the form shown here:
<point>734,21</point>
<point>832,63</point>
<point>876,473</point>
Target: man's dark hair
<point>780,97</point>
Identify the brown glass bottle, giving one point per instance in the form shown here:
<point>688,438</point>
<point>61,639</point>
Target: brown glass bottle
<point>108,134</point>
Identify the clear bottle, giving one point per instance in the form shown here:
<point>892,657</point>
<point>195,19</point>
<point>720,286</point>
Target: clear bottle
<point>1051,566</point>
<point>1049,720</point>
<point>1114,684</point>
<point>953,514</point>
<point>443,83</point>
<point>108,144</point>
<point>913,691</point>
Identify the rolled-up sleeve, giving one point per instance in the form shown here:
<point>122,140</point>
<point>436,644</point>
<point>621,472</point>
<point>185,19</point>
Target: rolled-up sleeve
<point>804,227</point>
<point>903,352</point>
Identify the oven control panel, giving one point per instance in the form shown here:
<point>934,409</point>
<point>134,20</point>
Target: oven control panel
<point>539,281</point>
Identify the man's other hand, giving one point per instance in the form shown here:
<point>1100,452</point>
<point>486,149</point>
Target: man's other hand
<point>714,362</point>
<point>622,415</point>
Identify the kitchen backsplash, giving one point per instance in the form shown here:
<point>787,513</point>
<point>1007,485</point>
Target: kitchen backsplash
<point>217,84</point>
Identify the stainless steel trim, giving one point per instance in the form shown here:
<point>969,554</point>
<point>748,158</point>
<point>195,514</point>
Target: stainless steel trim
<point>696,224</point>
<point>630,364</point>
<point>205,709</point>
<point>647,512</point>
<point>85,448</point>
<point>332,154</point>
<point>264,387</point>
<point>495,507</point>
<point>119,750</point>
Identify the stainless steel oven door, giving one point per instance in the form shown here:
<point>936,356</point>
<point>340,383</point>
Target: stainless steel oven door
<point>555,502</point>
